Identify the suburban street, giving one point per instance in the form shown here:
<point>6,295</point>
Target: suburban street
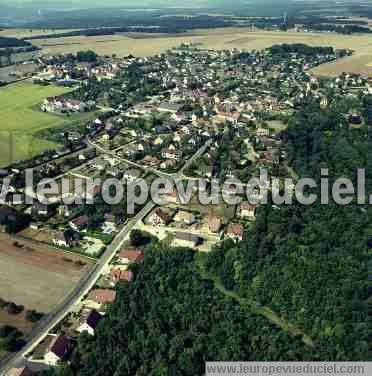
<point>84,286</point>
<point>161,174</point>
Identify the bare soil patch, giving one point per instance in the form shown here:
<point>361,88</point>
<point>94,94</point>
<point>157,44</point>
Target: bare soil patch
<point>35,275</point>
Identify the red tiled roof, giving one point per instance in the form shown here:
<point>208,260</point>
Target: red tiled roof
<point>132,255</point>
<point>245,205</point>
<point>80,221</point>
<point>122,275</point>
<point>215,223</point>
<point>235,229</point>
<point>102,296</point>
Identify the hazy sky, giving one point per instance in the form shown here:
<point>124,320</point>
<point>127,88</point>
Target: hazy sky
<point>139,3</point>
<point>87,3</point>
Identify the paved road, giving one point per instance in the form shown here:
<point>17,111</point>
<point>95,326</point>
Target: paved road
<point>30,191</point>
<point>84,286</point>
<point>161,174</point>
<point>87,282</point>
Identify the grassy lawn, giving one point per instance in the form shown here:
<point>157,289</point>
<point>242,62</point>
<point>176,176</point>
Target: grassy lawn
<point>20,120</point>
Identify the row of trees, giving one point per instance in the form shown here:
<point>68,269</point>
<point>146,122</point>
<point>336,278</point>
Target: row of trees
<point>6,42</point>
<point>301,49</point>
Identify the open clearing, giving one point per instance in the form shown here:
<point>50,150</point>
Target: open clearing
<point>7,74</point>
<point>225,38</point>
<point>21,119</point>
<point>37,276</point>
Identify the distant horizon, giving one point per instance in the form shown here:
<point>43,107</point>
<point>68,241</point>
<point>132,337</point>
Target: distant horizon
<point>47,13</point>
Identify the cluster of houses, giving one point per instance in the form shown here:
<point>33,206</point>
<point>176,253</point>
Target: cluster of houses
<point>61,104</point>
<point>190,229</point>
<point>65,69</point>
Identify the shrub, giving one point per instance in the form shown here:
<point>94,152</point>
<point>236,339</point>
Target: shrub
<point>14,309</point>
<point>33,316</point>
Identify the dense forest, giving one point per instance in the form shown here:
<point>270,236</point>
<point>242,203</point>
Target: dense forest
<point>6,42</point>
<point>299,48</point>
<point>9,46</point>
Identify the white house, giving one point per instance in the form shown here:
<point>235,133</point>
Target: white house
<point>58,350</point>
<point>89,322</point>
<point>247,210</point>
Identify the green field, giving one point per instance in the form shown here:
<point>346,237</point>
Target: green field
<point>21,119</point>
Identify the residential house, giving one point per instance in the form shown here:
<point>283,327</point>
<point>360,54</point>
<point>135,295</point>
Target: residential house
<point>131,256</point>
<point>117,275</point>
<point>247,210</point>
<point>111,220</point>
<point>186,130</point>
<point>159,217</point>
<point>99,297</point>
<point>171,154</point>
<point>80,223</point>
<point>169,163</point>
<point>158,141</point>
<point>111,160</point>
<point>186,239</point>
<point>66,239</point>
<point>178,116</point>
<point>173,197</point>
<point>64,211</point>
<point>227,117</point>
<point>185,217</point>
<point>40,209</point>
<point>89,321</point>
<point>98,164</point>
<point>59,239</point>
<point>62,104</point>
<point>113,171</point>
<point>58,350</point>
<point>260,132</point>
<point>140,147</point>
<point>214,224</point>
<point>132,175</point>
<point>35,226</point>
<point>73,136</point>
<point>235,231</point>
<point>151,161</point>
<point>177,138</point>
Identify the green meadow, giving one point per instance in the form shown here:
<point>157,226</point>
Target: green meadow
<point>21,119</point>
